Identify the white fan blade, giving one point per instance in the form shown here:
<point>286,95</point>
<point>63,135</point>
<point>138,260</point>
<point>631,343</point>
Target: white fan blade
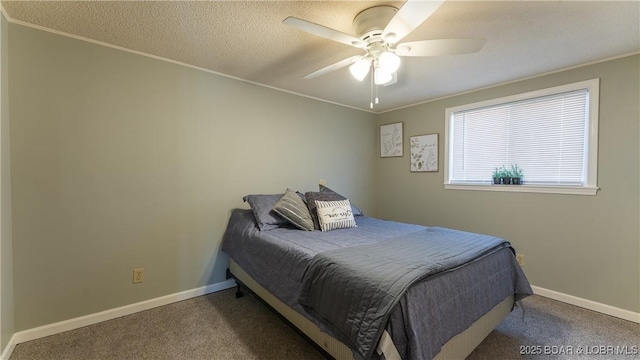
<point>340,64</point>
<point>410,16</point>
<point>439,47</point>
<point>324,32</point>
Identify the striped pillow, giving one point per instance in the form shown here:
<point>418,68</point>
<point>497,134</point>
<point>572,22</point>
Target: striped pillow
<point>292,207</point>
<point>335,215</point>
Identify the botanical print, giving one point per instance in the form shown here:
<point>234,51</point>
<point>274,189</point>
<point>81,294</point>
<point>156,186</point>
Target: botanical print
<point>424,153</point>
<point>391,140</point>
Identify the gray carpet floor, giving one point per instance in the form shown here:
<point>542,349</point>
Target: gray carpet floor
<point>219,326</point>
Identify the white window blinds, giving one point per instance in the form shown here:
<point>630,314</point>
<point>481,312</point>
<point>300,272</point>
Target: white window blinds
<point>546,136</point>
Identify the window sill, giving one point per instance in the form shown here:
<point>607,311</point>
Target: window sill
<point>569,190</point>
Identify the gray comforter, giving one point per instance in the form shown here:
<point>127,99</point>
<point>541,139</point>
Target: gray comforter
<point>430,312</point>
<point>355,289</point>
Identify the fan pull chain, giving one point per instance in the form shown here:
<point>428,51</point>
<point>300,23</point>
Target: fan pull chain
<point>371,93</point>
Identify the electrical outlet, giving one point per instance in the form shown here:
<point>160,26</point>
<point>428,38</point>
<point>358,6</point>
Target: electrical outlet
<point>323,182</point>
<point>138,275</point>
<point>520,259</point>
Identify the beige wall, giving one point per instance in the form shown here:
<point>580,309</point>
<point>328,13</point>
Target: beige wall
<point>6,263</point>
<point>120,161</point>
<point>585,246</point>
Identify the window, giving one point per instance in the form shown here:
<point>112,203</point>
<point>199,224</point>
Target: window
<point>551,134</point>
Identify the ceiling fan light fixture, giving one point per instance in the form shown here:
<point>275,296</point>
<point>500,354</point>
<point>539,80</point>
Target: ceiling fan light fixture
<point>382,77</point>
<point>389,62</point>
<point>360,69</point>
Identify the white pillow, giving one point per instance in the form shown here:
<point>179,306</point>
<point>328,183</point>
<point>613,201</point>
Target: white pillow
<point>335,215</point>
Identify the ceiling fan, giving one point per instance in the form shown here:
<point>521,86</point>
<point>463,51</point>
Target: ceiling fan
<point>378,30</point>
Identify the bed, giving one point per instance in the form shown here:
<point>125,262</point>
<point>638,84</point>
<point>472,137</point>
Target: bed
<point>442,314</point>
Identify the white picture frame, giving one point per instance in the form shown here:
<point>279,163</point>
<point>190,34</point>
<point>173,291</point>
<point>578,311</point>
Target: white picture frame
<point>391,140</point>
<point>424,153</point>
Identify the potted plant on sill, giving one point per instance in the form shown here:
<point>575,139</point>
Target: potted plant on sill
<point>501,175</point>
<point>506,176</point>
<point>516,174</point>
<point>497,175</point>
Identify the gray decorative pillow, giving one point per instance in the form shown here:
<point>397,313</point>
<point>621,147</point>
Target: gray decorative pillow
<point>312,197</point>
<point>261,206</point>
<point>334,215</point>
<point>292,208</point>
<point>356,211</point>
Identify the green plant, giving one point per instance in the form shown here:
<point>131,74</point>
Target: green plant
<point>515,171</point>
<point>500,172</point>
<point>497,173</point>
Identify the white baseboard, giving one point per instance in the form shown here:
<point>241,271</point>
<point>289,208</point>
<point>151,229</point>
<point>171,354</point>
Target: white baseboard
<point>9,348</point>
<point>588,304</point>
<point>82,321</point>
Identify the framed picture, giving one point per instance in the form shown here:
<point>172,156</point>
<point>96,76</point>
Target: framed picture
<point>424,153</point>
<point>391,140</point>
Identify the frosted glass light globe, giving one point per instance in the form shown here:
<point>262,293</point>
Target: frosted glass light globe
<point>389,62</point>
<point>360,69</point>
<point>382,77</point>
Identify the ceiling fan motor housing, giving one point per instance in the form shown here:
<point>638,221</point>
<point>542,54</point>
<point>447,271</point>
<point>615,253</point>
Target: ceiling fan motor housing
<point>370,23</point>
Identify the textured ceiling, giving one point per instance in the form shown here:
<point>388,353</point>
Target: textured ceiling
<point>247,40</point>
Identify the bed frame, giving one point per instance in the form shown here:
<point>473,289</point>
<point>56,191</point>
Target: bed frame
<point>458,347</point>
